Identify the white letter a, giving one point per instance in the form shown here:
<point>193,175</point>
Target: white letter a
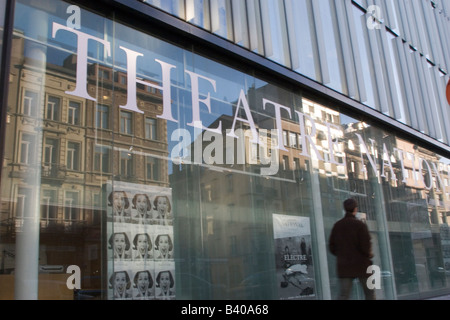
<point>374,281</point>
<point>73,282</point>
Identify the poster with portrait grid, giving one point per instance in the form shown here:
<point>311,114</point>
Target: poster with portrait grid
<point>140,242</point>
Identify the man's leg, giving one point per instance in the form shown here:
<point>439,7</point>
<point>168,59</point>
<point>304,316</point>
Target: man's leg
<point>345,288</point>
<point>369,294</point>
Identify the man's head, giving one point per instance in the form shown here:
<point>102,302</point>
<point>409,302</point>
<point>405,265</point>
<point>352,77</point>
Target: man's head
<point>350,205</point>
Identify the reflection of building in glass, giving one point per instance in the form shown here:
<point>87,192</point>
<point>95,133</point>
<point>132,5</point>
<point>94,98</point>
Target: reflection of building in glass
<point>414,214</point>
<point>72,147</point>
<point>358,103</point>
<point>237,202</point>
<point>235,198</point>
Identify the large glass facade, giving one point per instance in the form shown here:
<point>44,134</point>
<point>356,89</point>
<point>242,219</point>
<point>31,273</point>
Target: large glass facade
<point>137,169</point>
<point>344,46</point>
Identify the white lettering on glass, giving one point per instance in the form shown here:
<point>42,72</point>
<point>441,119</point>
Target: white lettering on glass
<point>82,58</point>
<point>423,172</point>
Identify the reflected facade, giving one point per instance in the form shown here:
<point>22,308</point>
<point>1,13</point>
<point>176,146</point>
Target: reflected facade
<point>139,168</point>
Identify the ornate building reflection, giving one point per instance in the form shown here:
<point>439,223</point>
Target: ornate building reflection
<point>73,147</point>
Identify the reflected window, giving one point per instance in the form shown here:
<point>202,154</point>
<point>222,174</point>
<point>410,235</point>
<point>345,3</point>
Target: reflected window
<point>126,163</point>
<point>73,156</point>
<point>151,129</point>
<point>285,163</point>
<point>102,117</point>
<point>48,206</point>
<point>296,164</point>
<point>27,148</point>
<point>102,159</point>
<point>152,168</point>
<point>53,107</point>
<point>30,103</point>
<point>71,211</point>
<point>103,74</point>
<point>23,202</point>
<point>299,141</point>
<point>292,140</point>
<point>74,113</point>
<point>50,152</point>
<point>126,122</point>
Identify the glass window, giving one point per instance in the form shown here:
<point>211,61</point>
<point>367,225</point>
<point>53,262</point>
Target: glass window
<point>30,103</point>
<point>151,129</point>
<point>102,117</point>
<point>49,208</point>
<point>74,113</point>
<point>73,156</point>
<point>53,108</point>
<point>285,138</point>
<point>292,139</point>
<point>103,74</point>
<point>71,210</point>
<point>24,195</point>
<point>102,159</point>
<point>126,164</point>
<point>27,146</point>
<point>153,168</point>
<point>126,122</point>
<point>197,165</point>
<point>50,152</point>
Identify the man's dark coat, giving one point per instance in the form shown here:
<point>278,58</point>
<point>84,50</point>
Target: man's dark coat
<point>350,243</point>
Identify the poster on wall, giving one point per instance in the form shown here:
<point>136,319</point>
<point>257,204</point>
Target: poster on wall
<point>293,257</point>
<point>140,242</point>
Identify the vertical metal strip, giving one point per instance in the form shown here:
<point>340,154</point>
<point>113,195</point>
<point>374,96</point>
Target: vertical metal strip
<point>230,21</point>
<point>346,49</point>
<point>411,114</point>
<point>267,33</point>
<point>388,72</point>
<point>431,105</point>
<point>361,89</point>
<point>380,92</point>
<point>323,63</point>
<point>420,107</point>
<point>293,47</point>
<point>254,27</point>
<point>444,34</point>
